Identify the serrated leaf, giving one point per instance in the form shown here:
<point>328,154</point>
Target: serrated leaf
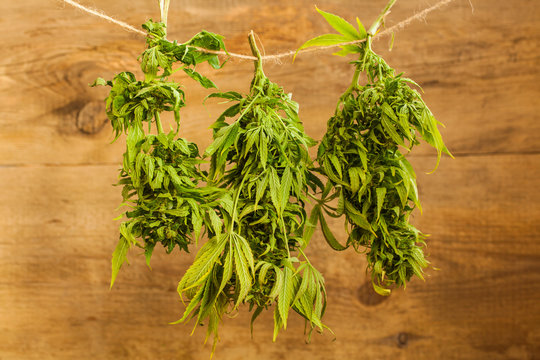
<point>242,273</point>
<point>200,269</point>
<point>256,314</point>
<point>381,193</point>
<point>361,29</point>
<point>348,49</point>
<point>148,250</point>
<point>278,283</point>
<point>286,183</point>
<point>328,236</point>
<point>197,222</point>
<point>262,184</point>
<point>119,257</point>
<point>230,95</point>
<point>227,268</point>
<point>391,130</point>
<point>341,26</point>
<point>203,80</point>
<point>337,165</point>
<point>286,295</point>
<point>354,178</point>
<point>178,212</point>
<point>380,290</point>
<point>278,323</point>
<point>388,111</point>
<point>311,225</point>
<point>323,40</point>
<point>215,222</point>
<point>275,187</point>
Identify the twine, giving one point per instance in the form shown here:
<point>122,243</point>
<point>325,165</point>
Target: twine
<point>419,16</point>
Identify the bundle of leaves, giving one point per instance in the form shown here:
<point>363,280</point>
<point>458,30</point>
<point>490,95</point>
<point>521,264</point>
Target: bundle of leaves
<point>374,184</point>
<point>163,190</point>
<point>160,174</point>
<point>262,160</point>
<point>251,202</point>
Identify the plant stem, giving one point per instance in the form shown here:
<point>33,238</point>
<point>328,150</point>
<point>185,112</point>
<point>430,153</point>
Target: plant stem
<point>234,212</point>
<point>259,73</point>
<point>373,29</point>
<point>354,85</point>
<point>158,123</point>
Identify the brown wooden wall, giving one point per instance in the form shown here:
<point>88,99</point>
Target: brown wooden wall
<point>481,78</point>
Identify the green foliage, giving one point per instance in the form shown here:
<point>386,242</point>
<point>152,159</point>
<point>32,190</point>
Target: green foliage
<point>261,159</point>
<point>367,173</point>
<point>251,201</point>
<point>162,184</point>
<point>348,33</point>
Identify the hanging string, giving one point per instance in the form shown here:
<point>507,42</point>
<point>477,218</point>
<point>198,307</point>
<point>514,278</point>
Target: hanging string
<point>102,15</point>
<point>164,7</point>
<point>419,16</point>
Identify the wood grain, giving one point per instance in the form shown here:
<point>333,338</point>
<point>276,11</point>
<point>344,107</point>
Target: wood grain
<point>480,304</point>
<point>480,75</point>
<point>477,75</point>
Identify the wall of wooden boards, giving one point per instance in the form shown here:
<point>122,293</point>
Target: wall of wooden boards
<point>477,62</point>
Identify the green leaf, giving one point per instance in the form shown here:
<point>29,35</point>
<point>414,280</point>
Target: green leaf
<point>361,29</point>
<point>354,178</point>
<point>100,82</point>
<point>387,109</point>
<point>311,225</point>
<point>275,187</point>
<point>380,290</point>
<point>149,163</point>
<point>135,134</point>
<point>357,217</point>
<point>381,193</point>
<point>286,295</point>
<point>341,26</point>
<point>391,131</point>
<point>262,184</point>
<point>286,183</point>
<point>242,273</point>
<point>323,40</point>
<point>278,283</point>
<point>173,175</point>
<point>197,222</point>
<point>203,80</point>
<point>183,212</point>
<point>148,250</point>
<point>119,257</point>
<point>348,49</point>
<point>333,158</point>
<point>329,237</point>
<point>201,267</point>
<point>227,268</point>
<point>215,222</point>
<point>256,314</point>
<point>230,95</point>
<point>278,323</point>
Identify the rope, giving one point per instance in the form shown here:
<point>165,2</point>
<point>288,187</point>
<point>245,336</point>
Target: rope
<point>102,15</point>
<point>419,16</point>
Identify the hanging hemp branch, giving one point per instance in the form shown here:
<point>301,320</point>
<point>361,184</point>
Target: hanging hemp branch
<point>360,156</point>
<point>250,204</point>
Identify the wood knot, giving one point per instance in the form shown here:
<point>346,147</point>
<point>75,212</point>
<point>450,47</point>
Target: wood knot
<point>402,339</point>
<point>90,119</point>
<point>368,296</point>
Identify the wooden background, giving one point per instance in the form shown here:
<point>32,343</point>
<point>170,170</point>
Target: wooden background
<point>481,77</point>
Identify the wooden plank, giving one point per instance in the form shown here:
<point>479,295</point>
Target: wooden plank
<point>483,212</point>
<point>476,71</point>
